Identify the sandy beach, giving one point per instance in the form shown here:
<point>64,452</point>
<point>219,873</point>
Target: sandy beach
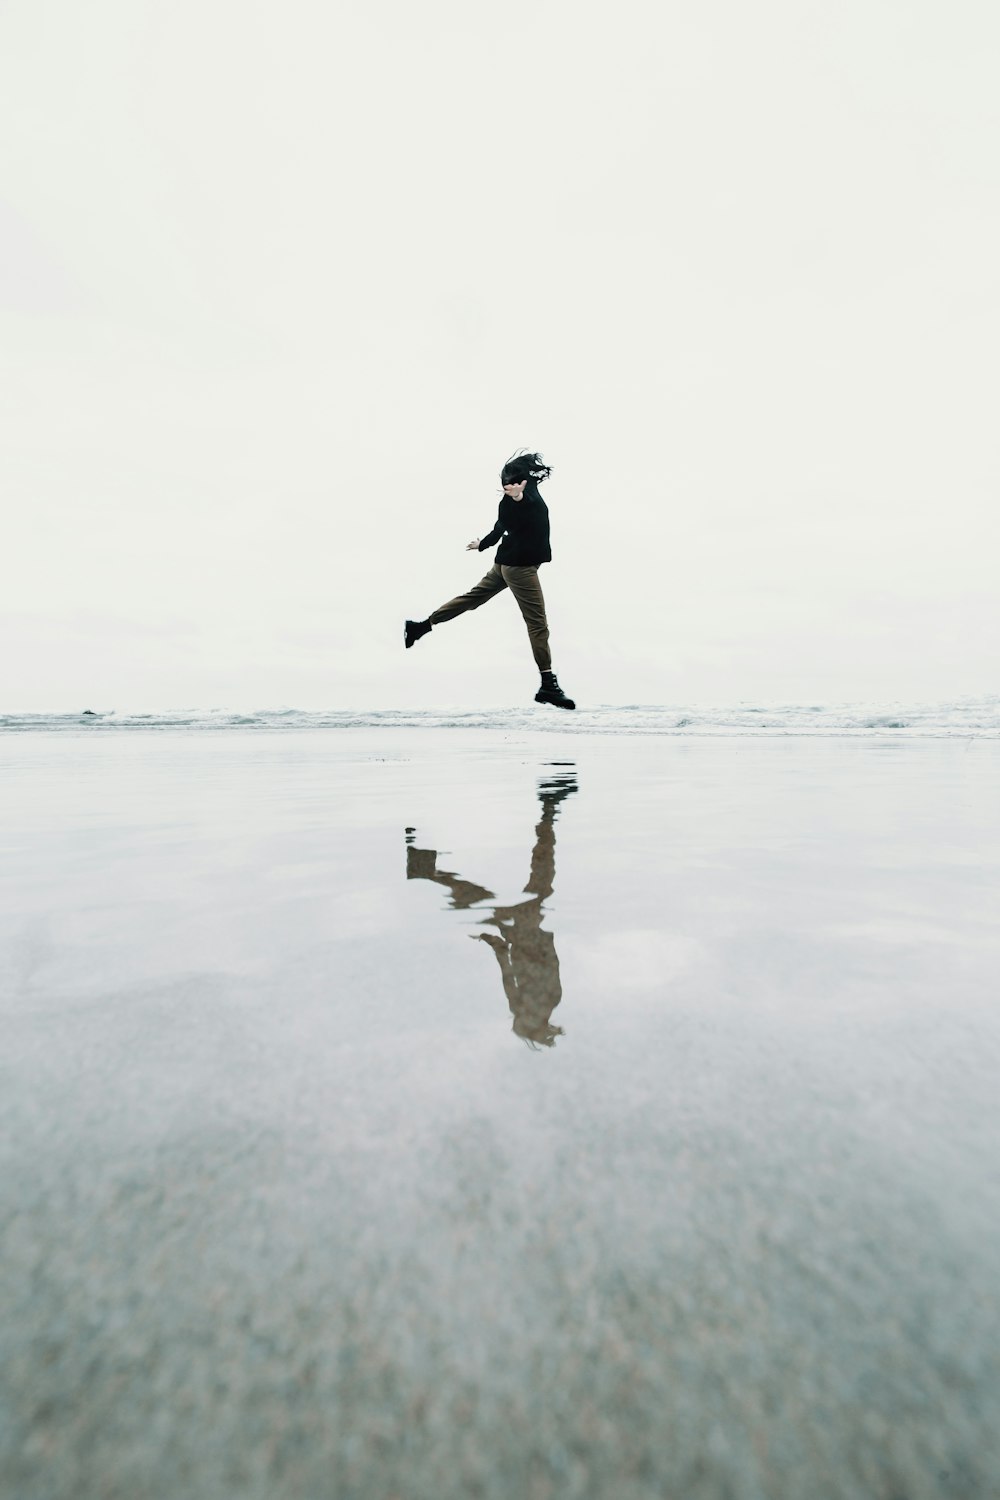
<point>433,1114</point>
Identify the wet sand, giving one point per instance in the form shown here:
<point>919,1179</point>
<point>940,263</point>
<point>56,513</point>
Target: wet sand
<point>435,1114</point>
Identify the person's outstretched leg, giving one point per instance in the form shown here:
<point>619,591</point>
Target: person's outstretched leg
<point>485,589</point>
<point>524,585</point>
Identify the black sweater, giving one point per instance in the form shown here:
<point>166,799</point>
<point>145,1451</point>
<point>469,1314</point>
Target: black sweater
<point>524,526</point>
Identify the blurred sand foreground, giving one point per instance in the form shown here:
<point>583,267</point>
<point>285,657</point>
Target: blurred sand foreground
<point>430,1115</point>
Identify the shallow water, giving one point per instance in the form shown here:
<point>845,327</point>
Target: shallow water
<point>433,1114</point>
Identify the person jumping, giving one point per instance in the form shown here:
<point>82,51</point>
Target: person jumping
<point>523,522</point>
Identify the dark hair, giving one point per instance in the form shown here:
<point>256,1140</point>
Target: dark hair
<point>529,466</point>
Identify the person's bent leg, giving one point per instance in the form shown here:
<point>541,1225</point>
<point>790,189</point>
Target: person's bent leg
<point>485,589</point>
<point>524,585</point>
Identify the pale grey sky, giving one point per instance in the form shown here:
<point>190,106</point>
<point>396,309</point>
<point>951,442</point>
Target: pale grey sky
<point>283,284</point>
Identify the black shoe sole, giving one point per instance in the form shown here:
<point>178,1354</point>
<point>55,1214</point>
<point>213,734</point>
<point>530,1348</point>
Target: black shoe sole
<point>563,702</point>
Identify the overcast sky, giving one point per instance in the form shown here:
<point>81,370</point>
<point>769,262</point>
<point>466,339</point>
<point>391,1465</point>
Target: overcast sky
<point>283,284</point>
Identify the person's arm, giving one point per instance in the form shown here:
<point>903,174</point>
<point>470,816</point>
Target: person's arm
<point>493,537</point>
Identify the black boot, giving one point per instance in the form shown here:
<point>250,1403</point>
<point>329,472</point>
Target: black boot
<point>551,692</point>
<point>414,630</point>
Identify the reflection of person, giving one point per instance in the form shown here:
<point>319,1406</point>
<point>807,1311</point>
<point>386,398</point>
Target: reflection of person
<point>523,523</point>
<point>421,864</point>
<point>525,951</point>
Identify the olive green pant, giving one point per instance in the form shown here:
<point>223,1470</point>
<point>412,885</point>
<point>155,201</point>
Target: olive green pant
<point>523,584</point>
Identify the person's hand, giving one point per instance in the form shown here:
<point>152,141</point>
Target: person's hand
<point>473,546</point>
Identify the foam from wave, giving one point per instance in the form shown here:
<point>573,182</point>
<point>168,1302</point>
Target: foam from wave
<point>964,718</point>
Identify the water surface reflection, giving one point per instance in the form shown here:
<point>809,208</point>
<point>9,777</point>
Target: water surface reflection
<point>525,951</point>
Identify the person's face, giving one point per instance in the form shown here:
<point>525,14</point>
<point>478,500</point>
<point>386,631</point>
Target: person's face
<point>515,491</point>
